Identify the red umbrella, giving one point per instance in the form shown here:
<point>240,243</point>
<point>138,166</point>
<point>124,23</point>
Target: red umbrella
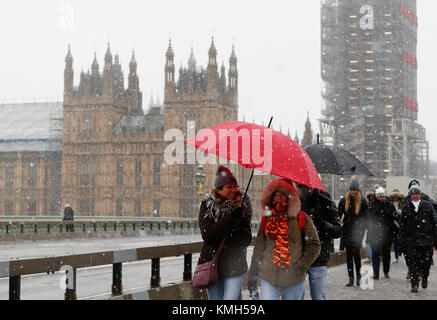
<point>265,149</point>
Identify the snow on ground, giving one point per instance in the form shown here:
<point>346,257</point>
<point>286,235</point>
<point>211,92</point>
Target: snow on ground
<point>50,248</point>
<point>395,288</point>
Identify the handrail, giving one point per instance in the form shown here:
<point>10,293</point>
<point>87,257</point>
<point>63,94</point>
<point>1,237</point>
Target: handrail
<point>14,269</point>
<point>22,228</point>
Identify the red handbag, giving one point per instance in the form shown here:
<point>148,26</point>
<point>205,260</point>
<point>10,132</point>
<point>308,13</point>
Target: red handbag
<point>206,274</point>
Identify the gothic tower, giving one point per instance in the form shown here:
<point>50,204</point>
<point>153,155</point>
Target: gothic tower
<point>200,98</point>
<point>92,152</point>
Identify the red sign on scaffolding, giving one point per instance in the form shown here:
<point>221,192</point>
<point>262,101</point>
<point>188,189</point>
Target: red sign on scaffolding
<point>411,104</point>
<point>410,15</point>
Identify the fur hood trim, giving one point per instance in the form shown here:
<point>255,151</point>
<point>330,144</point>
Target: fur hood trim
<point>398,195</point>
<point>286,187</point>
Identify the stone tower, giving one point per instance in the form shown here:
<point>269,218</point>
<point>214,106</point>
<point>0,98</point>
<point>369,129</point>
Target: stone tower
<point>200,98</point>
<point>94,154</point>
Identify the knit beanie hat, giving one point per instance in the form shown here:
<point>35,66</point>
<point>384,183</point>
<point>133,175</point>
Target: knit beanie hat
<point>223,177</point>
<point>380,192</point>
<point>355,185</point>
<point>413,182</point>
<point>414,189</point>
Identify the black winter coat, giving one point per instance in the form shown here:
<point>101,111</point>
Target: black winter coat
<point>354,225</point>
<point>68,214</point>
<point>381,222</point>
<point>325,216</point>
<point>418,229</point>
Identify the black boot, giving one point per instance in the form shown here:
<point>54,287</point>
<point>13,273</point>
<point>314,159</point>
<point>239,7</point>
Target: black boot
<point>351,282</point>
<point>424,283</point>
<point>358,279</point>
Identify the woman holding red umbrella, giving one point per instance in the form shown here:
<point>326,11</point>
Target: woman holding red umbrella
<point>282,254</point>
<point>222,216</point>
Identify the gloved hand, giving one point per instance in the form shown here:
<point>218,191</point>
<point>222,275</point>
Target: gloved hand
<point>237,213</point>
<point>252,285</point>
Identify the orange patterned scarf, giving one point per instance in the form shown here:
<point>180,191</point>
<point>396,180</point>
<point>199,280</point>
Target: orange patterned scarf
<point>277,229</point>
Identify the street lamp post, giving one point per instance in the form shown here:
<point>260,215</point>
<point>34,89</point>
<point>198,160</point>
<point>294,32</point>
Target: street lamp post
<point>200,179</point>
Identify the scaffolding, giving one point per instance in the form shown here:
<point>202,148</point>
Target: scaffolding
<point>408,150</point>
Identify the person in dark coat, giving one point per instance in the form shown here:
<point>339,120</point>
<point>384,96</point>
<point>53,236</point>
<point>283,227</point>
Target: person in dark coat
<point>418,233</point>
<point>353,210</point>
<point>222,214</point>
<point>397,198</point>
<point>425,197</point>
<point>381,231</point>
<point>323,211</point>
<point>370,196</point>
<point>68,216</point>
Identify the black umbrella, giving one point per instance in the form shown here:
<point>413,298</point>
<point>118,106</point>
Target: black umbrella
<point>335,160</point>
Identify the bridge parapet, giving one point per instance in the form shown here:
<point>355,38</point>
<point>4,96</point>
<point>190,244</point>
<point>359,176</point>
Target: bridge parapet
<point>15,269</point>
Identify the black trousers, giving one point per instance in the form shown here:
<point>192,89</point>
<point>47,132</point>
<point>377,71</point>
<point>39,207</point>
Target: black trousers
<point>382,249</point>
<point>419,263</point>
<point>353,256</point>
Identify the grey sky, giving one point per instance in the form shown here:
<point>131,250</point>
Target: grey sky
<point>277,45</point>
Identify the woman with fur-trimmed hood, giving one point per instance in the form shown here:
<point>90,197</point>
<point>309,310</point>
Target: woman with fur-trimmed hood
<point>397,198</point>
<point>280,258</point>
<point>354,210</point>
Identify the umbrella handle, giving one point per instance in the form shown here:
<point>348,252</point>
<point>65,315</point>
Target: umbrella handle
<point>253,170</point>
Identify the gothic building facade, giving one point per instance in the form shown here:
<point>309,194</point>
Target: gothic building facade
<point>113,153</point>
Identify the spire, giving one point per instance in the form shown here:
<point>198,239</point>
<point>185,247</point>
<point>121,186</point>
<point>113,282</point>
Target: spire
<point>95,65</point>
<point>212,53</point>
<point>108,56</point>
<point>233,57</point>
<point>192,61</point>
<point>212,75</point>
<point>308,134</point>
<point>296,138</point>
<point>133,77</point>
<point>170,53</point>
<point>107,73</point>
<point>68,75</point>
<point>233,77</point>
<point>133,63</point>
<point>69,57</point>
<point>169,68</point>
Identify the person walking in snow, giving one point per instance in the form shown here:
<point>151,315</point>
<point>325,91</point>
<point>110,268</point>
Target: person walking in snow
<point>370,196</point>
<point>381,231</point>
<point>353,210</point>
<point>68,216</point>
<point>287,244</point>
<point>323,211</point>
<point>222,214</point>
<point>397,198</point>
<point>418,233</point>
